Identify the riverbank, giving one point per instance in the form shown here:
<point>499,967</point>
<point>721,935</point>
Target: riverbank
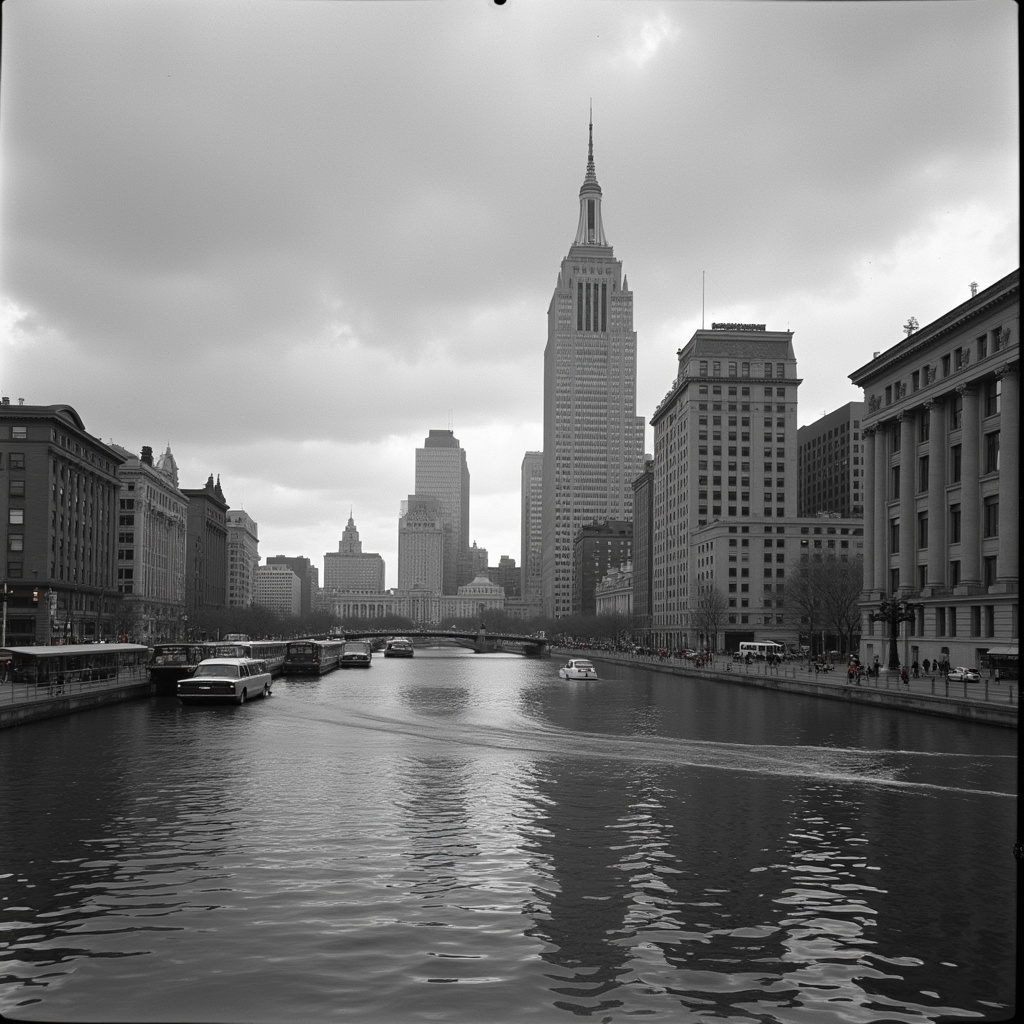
<point>21,703</point>
<point>985,702</point>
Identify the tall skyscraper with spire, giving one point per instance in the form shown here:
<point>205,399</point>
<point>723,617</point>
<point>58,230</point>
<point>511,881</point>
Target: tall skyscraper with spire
<point>593,439</point>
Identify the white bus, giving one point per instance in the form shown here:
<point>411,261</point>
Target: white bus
<point>760,649</point>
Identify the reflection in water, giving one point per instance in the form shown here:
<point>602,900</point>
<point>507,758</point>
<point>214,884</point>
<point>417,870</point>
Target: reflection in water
<point>470,840</point>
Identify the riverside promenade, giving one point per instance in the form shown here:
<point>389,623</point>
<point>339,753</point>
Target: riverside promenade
<point>24,702</point>
<point>985,702</point>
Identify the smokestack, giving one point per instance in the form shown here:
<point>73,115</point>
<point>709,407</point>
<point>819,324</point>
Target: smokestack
<point>147,455</point>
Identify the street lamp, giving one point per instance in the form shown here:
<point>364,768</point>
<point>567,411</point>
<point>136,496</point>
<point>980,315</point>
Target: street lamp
<point>895,610</point>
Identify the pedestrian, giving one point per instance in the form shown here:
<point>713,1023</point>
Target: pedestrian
<point>926,663</point>
<point>905,676</point>
<point>915,668</point>
<point>850,672</point>
<point>997,675</point>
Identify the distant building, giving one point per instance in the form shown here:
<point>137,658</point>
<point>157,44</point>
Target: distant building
<point>531,524</point>
<point>942,433</point>
<point>643,545</point>
<point>442,473</point>
<point>307,574</point>
<point>593,439</point>
<point>830,463</point>
<point>350,569</point>
<point>599,548</point>
<point>614,594</point>
<point>278,588</point>
<point>151,544</point>
<point>421,551</point>
<point>243,558</point>
<point>477,560</point>
<point>206,565</point>
<point>507,576</point>
<point>59,526</point>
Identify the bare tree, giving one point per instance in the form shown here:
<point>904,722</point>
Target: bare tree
<point>840,584</point>
<point>708,613</point>
<point>802,600</point>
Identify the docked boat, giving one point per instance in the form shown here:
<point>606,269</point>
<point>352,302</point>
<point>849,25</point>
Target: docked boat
<point>578,668</point>
<point>398,647</point>
<point>356,652</point>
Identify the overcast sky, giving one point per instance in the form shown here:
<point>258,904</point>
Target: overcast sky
<point>289,238</point>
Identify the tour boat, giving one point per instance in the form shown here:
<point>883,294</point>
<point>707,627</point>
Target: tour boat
<point>578,668</point>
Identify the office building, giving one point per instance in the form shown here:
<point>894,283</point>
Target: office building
<point>352,570</point>
<point>643,542</point>
<point>724,451</point>
<point>598,548</point>
<point>243,558</point>
<point>308,576</point>
<point>206,549</point>
<point>442,473</point>
<point>531,524</point>
<point>593,439</point>
<point>942,436</point>
<point>830,464</point>
<point>151,544</point>
<point>421,544</point>
<point>277,587</point>
<point>59,527</point>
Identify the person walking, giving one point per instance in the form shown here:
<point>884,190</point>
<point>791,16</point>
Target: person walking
<point>905,676</point>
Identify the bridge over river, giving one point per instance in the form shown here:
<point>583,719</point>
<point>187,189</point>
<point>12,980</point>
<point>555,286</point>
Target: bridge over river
<point>479,640</point>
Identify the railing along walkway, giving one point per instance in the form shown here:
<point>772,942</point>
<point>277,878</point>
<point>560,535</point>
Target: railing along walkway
<point>12,694</point>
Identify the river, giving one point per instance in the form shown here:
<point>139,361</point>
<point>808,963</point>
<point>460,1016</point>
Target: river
<point>467,838</point>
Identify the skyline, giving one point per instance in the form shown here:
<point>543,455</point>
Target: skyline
<point>195,207</point>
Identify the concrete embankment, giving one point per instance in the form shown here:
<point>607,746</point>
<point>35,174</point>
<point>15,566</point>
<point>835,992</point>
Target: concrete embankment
<point>992,705</point>
<point>37,708</point>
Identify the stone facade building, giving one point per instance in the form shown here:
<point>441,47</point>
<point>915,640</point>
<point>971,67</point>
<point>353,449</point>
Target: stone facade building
<point>243,558</point>
<point>307,574</point>
<point>421,548</point>
<point>352,570</point>
<point>276,586</point>
<point>531,525</point>
<point>942,431</point>
<point>60,493</point>
<point>206,538</point>
<point>725,451</point>
<point>151,544</point>
<point>442,473</point>
<point>614,594</point>
<point>598,548</point>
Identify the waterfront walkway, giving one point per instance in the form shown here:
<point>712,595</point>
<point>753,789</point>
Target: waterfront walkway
<point>986,701</point>
<point>26,702</point>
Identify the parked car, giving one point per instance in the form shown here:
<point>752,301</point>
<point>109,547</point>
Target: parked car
<point>961,674</point>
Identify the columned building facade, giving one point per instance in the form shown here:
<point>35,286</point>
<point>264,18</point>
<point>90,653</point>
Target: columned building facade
<point>593,439</point>
<point>942,435</point>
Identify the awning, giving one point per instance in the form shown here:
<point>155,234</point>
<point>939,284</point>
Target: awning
<point>1003,652</point>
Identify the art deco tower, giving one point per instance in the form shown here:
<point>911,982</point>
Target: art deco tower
<point>442,473</point>
<point>593,439</point>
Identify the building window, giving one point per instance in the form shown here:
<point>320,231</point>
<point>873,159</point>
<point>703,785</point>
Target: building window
<point>922,473</point>
<point>15,542</point>
<point>16,517</point>
<point>992,394</point>
<point>954,573</point>
<point>16,488</point>
<point>955,456</point>
<point>983,346</point>
<point>894,537</point>
<point>16,460</point>
<point>989,568</point>
<point>991,516</point>
<point>894,483</point>
<point>956,411</point>
<point>894,580</point>
<point>915,381</point>
<point>19,433</point>
<point>954,524</point>
<point>992,452</point>
<point>922,529</point>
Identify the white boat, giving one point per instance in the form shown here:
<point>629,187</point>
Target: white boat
<point>578,668</point>
<point>234,679</point>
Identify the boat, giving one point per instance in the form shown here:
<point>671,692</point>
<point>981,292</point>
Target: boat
<point>356,652</point>
<point>398,647</point>
<point>578,668</point>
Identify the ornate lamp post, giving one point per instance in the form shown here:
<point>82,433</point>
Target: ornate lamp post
<point>895,610</point>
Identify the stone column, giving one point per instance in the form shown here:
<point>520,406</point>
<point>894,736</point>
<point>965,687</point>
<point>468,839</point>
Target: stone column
<point>936,411</point>
<point>879,512</point>
<point>869,436</point>
<point>1007,570</point>
<point>970,492</point>
<point>908,516</point>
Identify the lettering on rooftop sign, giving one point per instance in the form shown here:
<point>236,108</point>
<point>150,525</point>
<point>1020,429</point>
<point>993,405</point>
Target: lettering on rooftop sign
<point>737,327</point>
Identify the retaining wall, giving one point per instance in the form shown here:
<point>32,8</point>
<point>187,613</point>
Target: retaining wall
<point>68,703</point>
